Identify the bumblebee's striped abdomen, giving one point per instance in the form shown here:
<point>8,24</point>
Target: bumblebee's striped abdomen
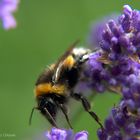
<point>48,88</point>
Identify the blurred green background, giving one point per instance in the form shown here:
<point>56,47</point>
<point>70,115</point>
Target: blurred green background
<point>45,29</point>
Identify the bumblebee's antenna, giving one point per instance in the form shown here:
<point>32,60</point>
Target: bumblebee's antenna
<point>30,119</point>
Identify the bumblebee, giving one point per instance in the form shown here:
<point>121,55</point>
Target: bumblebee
<point>57,84</point>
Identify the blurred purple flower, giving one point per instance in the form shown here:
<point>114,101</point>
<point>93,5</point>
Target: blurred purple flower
<point>7,7</point>
<point>63,134</point>
<point>95,37</point>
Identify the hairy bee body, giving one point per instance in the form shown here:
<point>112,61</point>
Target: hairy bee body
<point>56,85</point>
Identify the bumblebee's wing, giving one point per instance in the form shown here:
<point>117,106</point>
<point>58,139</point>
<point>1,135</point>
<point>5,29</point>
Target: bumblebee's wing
<point>59,65</point>
<point>46,75</point>
<point>67,52</point>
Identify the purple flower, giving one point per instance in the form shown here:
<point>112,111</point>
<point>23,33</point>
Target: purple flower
<point>119,35</point>
<point>123,122</point>
<point>116,63</point>
<point>122,36</point>
<point>7,7</point>
<point>116,67</point>
<point>63,134</point>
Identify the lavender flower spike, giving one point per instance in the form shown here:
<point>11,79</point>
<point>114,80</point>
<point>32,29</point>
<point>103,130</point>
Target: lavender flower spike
<point>116,67</point>
<point>7,7</point>
<point>117,61</point>
<point>62,134</point>
<point>123,122</point>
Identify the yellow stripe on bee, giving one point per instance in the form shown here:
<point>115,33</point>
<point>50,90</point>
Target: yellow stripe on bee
<point>69,61</point>
<point>48,88</point>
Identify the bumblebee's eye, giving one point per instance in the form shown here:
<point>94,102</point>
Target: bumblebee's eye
<point>49,104</point>
<point>51,107</point>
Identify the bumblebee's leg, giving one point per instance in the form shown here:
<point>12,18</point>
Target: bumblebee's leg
<point>50,118</point>
<point>64,110</point>
<point>87,107</point>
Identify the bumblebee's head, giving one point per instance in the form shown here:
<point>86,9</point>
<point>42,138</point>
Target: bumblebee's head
<point>48,108</point>
<point>47,103</point>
